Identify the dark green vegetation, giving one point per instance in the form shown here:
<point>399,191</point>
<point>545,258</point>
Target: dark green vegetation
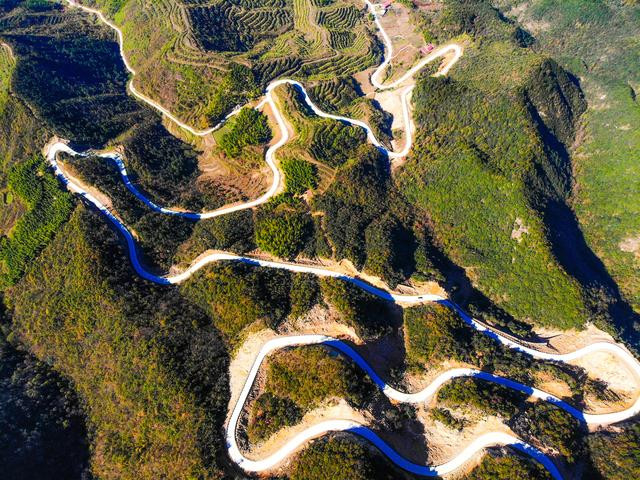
<point>42,425</point>
<point>282,228</point>
<point>269,414</point>
<point>616,456</point>
<point>370,316</point>
<point>47,209</point>
<point>333,142</point>
<point>508,468</point>
<point>307,376</point>
<point>249,127</point>
<point>147,363</point>
<point>164,167</point>
<point>490,398</point>
<point>494,169</point>
<point>435,334</point>
<point>598,41</point>
<point>540,423</point>
<point>232,232</point>
<point>301,379</point>
<point>340,458</point>
<point>552,428</point>
<point>445,417</point>
<point>363,219</point>
<point>239,295</point>
<point>160,235</point>
<point>71,80</point>
<point>299,175</point>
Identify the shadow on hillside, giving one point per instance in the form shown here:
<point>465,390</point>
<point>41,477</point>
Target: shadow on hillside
<point>604,297</point>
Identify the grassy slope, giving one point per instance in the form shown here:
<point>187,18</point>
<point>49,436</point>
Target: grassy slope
<point>473,171</point>
<point>600,40</point>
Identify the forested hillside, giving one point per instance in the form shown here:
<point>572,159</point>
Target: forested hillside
<point>598,41</point>
<point>150,404</point>
<point>40,413</point>
<point>501,130</point>
<point>104,374</point>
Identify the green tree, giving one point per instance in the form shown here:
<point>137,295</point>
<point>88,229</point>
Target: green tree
<point>249,127</point>
<point>299,175</point>
<point>616,456</point>
<point>282,235</point>
<point>508,468</point>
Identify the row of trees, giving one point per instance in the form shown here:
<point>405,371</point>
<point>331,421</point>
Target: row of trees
<point>48,208</point>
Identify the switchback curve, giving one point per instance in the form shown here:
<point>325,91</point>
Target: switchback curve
<point>481,442</point>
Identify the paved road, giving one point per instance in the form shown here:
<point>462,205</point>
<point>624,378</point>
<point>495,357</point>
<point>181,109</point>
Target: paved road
<point>423,396</point>
<point>487,440</point>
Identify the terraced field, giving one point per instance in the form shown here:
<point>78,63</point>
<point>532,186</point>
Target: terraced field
<point>337,185</point>
<point>182,50</point>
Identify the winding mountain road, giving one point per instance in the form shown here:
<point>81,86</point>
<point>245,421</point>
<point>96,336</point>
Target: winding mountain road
<point>423,396</point>
<point>490,439</point>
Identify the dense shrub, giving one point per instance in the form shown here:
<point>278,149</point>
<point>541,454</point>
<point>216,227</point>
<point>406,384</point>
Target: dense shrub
<point>335,459</point>
<point>445,417</point>
<point>356,197</point>
<point>269,414</point>
<point>490,398</point>
<point>71,82</point>
<point>387,243</point>
<point>508,468</point>
<point>165,167</point>
<point>159,234</point>
<point>552,427</point>
<point>305,293</point>
<point>309,375</point>
<point>434,334</point>
<point>299,175</point>
<point>616,456</point>
<point>237,295</point>
<point>249,127</point>
<point>231,232</point>
<point>370,316</point>
<point>282,234</point>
